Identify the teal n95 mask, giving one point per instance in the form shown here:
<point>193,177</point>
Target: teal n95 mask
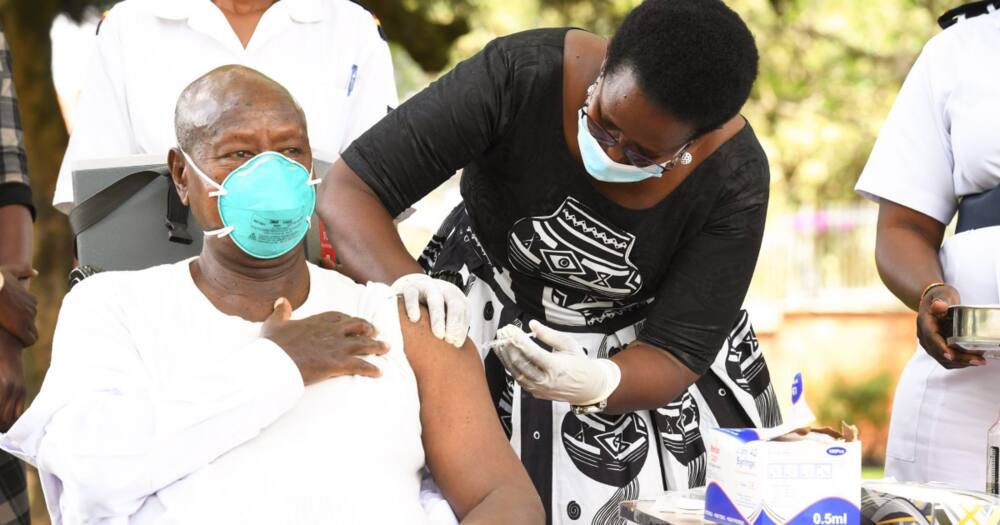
<point>266,204</point>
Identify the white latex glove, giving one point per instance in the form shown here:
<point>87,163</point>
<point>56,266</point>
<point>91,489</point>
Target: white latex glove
<point>447,305</point>
<point>565,374</point>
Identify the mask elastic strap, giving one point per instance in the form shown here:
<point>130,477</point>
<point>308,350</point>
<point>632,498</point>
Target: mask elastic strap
<point>219,190</point>
<point>313,181</point>
<point>220,233</point>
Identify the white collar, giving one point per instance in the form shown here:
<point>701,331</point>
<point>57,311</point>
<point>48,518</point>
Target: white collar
<point>303,11</point>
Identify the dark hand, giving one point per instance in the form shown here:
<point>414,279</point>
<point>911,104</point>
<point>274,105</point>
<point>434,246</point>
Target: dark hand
<point>931,326</point>
<point>325,345</point>
<point>12,389</point>
<point>17,305</point>
<point>329,264</point>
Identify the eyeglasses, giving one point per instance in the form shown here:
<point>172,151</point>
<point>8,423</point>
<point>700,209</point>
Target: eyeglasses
<point>605,138</point>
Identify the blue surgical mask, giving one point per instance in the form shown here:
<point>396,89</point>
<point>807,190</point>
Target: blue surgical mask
<point>265,205</point>
<point>597,162</point>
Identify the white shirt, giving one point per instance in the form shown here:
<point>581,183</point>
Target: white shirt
<point>158,408</point>
<point>938,144</point>
<point>328,53</point>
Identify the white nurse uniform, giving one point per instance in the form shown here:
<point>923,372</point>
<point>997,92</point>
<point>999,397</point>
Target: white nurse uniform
<point>941,142</point>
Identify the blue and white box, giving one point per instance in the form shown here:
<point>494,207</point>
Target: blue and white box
<point>783,475</point>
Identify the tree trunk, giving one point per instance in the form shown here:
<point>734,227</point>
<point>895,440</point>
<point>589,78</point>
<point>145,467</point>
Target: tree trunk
<point>27,24</point>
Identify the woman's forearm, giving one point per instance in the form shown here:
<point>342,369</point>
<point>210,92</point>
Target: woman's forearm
<point>906,251</point>
<point>508,504</point>
<point>361,230</point>
<point>651,378</point>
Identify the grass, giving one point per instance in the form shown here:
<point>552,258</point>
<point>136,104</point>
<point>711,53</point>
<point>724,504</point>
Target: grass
<point>871,473</point>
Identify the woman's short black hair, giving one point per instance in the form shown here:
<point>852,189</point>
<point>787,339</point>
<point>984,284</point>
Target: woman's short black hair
<point>696,59</point>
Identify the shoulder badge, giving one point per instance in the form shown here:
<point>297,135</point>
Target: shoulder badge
<point>101,21</point>
<point>378,23</point>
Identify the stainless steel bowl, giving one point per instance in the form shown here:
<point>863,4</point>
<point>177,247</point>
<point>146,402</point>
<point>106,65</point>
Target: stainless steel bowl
<point>975,329</point>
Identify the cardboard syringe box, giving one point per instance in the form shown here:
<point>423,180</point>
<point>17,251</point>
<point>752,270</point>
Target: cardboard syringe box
<point>754,479</point>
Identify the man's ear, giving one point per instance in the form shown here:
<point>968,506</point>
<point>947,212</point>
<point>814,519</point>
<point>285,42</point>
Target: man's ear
<point>177,163</point>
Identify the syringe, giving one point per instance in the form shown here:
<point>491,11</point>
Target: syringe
<point>500,342</point>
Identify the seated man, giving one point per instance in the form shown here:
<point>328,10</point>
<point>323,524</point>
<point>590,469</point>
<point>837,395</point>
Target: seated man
<point>226,388</point>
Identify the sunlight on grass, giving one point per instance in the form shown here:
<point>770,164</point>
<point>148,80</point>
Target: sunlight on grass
<point>871,473</point>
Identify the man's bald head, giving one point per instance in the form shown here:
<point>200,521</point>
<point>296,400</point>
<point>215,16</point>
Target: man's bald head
<point>223,93</point>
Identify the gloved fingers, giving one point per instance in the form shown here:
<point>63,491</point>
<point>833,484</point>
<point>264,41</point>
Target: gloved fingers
<point>502,351</point>
<point>518,337</point>
<point>455,335</point>
<point>503,354</point>
<point>559,341</point>
<point>411,302</point>
<point>524,370</point>
<point>457,322</point>
<point>435,307</point>
<point>509,332</point>
<point>528,351</point>
<point>501,331</point>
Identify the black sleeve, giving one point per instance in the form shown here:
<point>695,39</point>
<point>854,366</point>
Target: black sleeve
<point>707,281</point>
<point>17,193</point>
<point>419,145</point>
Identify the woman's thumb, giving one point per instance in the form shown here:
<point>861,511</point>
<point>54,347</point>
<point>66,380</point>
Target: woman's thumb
<point>559,341</point>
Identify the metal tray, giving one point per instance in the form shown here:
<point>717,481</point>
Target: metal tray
<point>644,512</point>
<point>975,329</point>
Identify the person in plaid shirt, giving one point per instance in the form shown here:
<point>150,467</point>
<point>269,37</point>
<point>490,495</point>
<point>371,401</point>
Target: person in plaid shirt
<point>17,305</point>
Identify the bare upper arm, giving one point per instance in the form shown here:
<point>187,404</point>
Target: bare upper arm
<point>340,179</point>
<point>896,216</point>
<point>466,449</point>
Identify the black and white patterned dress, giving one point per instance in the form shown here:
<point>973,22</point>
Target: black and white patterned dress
<point>533,239</point>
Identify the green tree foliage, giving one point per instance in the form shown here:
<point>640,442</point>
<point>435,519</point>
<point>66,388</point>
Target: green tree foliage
<point>426,29</point>
<point>865,403</point>
<point>829,72</point>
